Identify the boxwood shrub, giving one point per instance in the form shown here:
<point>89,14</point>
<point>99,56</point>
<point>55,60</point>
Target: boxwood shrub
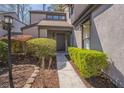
<point>3,51</point>
<point>42,48</point>
<point>89,62</point>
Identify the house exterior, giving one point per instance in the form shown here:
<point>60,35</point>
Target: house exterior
<point>100,27</point>
<point>54,25</point>
<point>17,24</point>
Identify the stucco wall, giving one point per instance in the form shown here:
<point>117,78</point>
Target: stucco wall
<point>78,9</point>
<point>77,37</point>
<point>108,35</point>
<point>17,26</point>
<point>31,31</point>
<point>43,33</point>
<point>37,17</point>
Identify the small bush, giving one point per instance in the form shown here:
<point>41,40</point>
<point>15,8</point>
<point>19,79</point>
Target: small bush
<point>41,48</point>
<point>16,45</point>
<point>89,62</point>
<point>3,51</point>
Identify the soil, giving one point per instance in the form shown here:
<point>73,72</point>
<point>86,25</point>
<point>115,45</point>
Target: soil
<point>100,81</point>
<point>22,70</point>
<point>20,75</point>
<point>47,78</point>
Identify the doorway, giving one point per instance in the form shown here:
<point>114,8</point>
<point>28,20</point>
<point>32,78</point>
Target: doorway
<point>60,41</point>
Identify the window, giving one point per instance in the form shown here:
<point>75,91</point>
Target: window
<point>86,35</point>
<point>55,17</point>
<point>49,17</point>
<point>62,17</point>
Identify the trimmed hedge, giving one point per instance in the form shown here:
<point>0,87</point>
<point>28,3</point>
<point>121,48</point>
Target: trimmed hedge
<point>89,62</point>
<point>3,51</point>
<point>41,47</point>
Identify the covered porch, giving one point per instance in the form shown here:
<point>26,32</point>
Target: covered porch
<point>58,30</point>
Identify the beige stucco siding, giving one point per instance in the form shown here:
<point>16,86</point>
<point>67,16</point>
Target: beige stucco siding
<point>43,33</point>
<point>108,35</point>
<point>37,17</point>
<point>31,31</point>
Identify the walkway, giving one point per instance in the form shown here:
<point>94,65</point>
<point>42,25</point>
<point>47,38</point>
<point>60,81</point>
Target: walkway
<point>68,78</point>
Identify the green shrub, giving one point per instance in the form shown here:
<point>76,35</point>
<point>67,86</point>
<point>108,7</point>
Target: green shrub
<point>16,45</point>
<point>41,48</point>
<point>89,62</point>
<point>3,51</point>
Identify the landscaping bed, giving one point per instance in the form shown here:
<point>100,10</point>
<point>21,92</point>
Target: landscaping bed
<point>47,78</point>
<point>23,67</point>
<point>20,75</point>
<point>97,81</point>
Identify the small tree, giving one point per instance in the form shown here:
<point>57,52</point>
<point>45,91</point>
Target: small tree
<point>42,48</point>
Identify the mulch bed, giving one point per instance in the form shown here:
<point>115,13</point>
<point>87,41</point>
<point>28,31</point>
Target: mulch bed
<point>22,70</point>
<point>98,81</point>
<point>20,75</point>
<point>47,78</point>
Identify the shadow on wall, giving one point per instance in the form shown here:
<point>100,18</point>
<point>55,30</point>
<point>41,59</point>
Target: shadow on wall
<point>113,71</point>
<point>104,8</point>
<point>74,41</point>
<point>95,40</point>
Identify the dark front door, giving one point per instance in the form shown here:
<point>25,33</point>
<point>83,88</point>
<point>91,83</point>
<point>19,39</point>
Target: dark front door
<point>60,42</point>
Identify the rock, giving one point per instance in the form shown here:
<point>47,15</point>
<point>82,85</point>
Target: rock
<point>27,86</point>
<point>36,71</point>
<point>33,75</point>
<point>36,68</point>
<point>30,81</point>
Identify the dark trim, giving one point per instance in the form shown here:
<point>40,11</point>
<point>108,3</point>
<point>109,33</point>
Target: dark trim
<point>46,12</point>
<point>55,27</point>
<point>19,21</point>
<point>38,32</point>
<point>30,17</point>
<point>85,14</point>
<point>28,26</point>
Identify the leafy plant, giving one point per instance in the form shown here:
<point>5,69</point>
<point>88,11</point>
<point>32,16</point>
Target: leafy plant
<point>42,48</point>
<point>3,51</point>
<point>89,62</point>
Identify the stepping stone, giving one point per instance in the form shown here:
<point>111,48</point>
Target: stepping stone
<point>27,86</point>
<point>36,71</point>
<point>36,68</point>
<point>33,75</point>
<point>30,80</point>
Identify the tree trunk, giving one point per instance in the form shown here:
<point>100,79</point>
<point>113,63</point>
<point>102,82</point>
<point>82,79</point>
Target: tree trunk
<point>43,63</point>
<point>50,63</point>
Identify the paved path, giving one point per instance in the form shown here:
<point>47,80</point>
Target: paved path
<point>68,78</point>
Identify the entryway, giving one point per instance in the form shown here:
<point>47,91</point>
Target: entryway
<point>60,37</point>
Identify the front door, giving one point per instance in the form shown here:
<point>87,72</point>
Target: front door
<point>60,42</point>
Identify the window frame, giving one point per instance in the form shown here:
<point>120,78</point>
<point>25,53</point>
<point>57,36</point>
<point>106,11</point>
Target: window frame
<point>88,38</point>
<point>56,19</point>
